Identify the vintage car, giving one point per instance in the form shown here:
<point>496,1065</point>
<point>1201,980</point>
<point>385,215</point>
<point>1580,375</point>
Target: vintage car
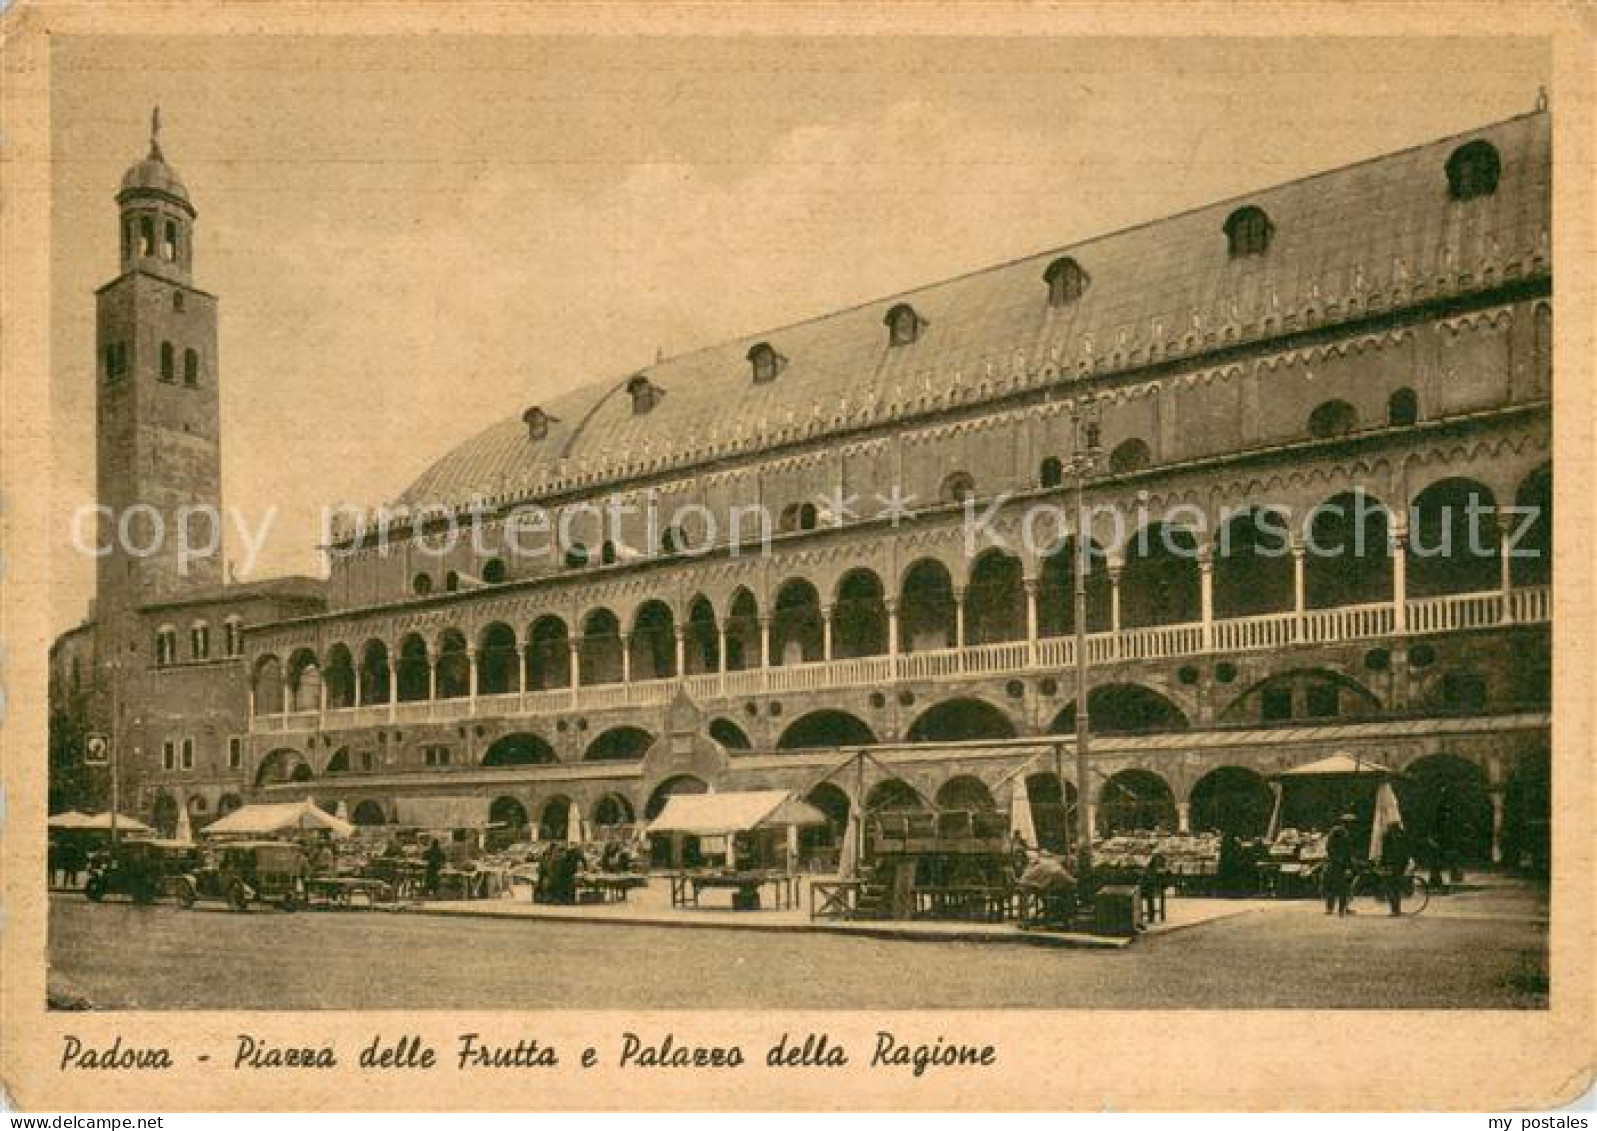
<point>142,869</point>
<point>247,872</point>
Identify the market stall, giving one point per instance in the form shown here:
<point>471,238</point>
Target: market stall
<point>754,834</point>
<point>1309,800</point>
<point>279,819</point>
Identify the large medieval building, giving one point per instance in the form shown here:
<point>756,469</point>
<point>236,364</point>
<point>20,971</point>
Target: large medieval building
<point>1321,498</point>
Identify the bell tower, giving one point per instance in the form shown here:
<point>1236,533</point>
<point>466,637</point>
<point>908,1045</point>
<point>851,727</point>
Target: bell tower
<point>158,454</point>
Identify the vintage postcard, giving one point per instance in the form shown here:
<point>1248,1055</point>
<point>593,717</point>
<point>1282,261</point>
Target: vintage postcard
<point>789,557</point>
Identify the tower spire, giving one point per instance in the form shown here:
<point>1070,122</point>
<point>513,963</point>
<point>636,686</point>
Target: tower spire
<point>155,134</point>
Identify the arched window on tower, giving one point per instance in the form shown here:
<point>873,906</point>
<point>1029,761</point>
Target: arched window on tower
<point>191,368</point>
<point>1132,455</point>
<point>1333,418</point>
<point>1248,232</point>
<point>1402,408</point>
<point>903,325</point>
<point>165,646</point>
<point>1066,281</point>
<point>146,235</point>
<point>169,244</point>
<point>1472,170</point>
<point>168,365</point>
<point>1051,473</point>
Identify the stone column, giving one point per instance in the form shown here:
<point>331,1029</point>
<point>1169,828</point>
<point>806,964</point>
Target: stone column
<point>765,640</point>
<point>891,604</point>
<point>1031,620</point>
<point>1299,589</point>
<point>1183,816</point>
<point>1114,606</point>
<point>1497,824</point>
<point>471,681</point>
<point>360,698</point>
<point>826,633</point>
<point>1399,578</point>
<point>626,657</point>
<point>252,704</point>
<point>1505,564</point>
<point>681,634</point>
<point>1206,597</point>
<point>393,687</point>
<point>574,675</point>
<point>289,705</point>
<point>521,668</point>
<point>959,617</point>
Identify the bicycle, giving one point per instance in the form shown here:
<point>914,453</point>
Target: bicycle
<point>1370,884</point>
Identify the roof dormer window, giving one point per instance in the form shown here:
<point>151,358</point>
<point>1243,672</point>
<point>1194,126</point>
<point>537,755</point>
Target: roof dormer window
<point>645,394</point>
<point>1066,281</point>
<point>903,325</point>
<point>765,362</point>
<point>1472,170</point>
<point>1248,232</point>
<point>537,422</point>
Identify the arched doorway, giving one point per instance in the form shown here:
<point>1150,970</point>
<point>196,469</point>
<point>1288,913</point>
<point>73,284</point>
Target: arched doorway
<point>1161,580</point>
<point>1452,539</point>
<point>701,643</point>
<point>995,600</point>
<point>374,672</point>
<point>369,814</point>
<point>796,625</point>
<point>926,608</point>
<point>1347,553</point>
<point>1233,801</point>
<point>304,681</point>
<point>268,684</point>
<point>1056,590</point>
<point>454,666</point>
<point>282,765</point>
<point>548,654</point>
<point>670,787</point>
<point>611,814</point>
<point>893,795</point>
<point>619,744</point>
<point>1123,708</point>
<point>165,814</point>
<point>1053,810</point>
<point>1531,531</point>
<point>823,729</point>
<point>859,618</point>
<point>819,845</point>
<point>967,792</point>
<point>340,678</point>
<point>729,734</point>
<point>652,646</point>
<point>600,648</point>
<point>511,816</point>
<point>414,673</point>
<point>554,819</point>
<point>1447,809</point>
<point>1253,565</point>
<point>520,749</point>
<point>1134,800</point>
<point>498,660</point>
<point>742,632</point>
<point>961,720</point>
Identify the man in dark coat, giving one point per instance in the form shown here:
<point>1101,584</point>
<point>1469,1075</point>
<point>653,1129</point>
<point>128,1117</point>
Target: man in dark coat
<point>1395,857</point>
<point>1338,881</point>
<point>434,859</point>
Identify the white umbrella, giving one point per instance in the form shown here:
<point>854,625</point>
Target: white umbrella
<point>1386,815</point>
<point>849,849</point>
<point>574,830</point>
<point>185,831</point>
<point>1020,818</point>
<point>342,811</point>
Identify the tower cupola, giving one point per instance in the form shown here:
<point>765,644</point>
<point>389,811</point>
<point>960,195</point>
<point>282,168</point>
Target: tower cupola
<point>157,215</point>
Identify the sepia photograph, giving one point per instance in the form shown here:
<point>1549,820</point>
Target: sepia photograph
<point>853,522</point>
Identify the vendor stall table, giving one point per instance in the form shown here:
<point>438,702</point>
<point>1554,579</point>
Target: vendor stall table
<point>745,886</point>
<point>608,887</point>
<point>346,891</point>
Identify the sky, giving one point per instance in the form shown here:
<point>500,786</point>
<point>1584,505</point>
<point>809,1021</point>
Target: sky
<point>412,240</point>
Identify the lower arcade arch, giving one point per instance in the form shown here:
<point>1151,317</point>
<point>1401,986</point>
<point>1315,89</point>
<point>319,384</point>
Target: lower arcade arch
<point>1447,810</point>
<point>1123,708</point>
<point>1232,801</point>
<point>1134,800</point>
<point>961,720</point>
<point>825,729</point>
<point>520,749</point>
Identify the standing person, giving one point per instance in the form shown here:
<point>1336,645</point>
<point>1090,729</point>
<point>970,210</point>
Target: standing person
<point>1395,858</point>
<point>1339,865</point>
<point>434,858</point>
<point>72,860</point>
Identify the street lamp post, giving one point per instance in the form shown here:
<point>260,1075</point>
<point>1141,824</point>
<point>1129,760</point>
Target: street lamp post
<point>1083,460</point>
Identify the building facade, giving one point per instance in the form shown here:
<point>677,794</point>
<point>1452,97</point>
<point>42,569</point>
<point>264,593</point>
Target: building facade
<point>1321,523</point>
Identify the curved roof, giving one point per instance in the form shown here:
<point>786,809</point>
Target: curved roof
<point>154,176</point>
<point>1375,235</point>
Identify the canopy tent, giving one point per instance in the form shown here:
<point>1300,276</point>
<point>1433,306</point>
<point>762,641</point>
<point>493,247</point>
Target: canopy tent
<point>1337,765</point>
<point>441,812</point>
<point>1317,794</point>
<point>1021,823</point>
<point>185,828</point>
<point>72,819</point>
<point>285,816</point>
<point>723,814</point>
